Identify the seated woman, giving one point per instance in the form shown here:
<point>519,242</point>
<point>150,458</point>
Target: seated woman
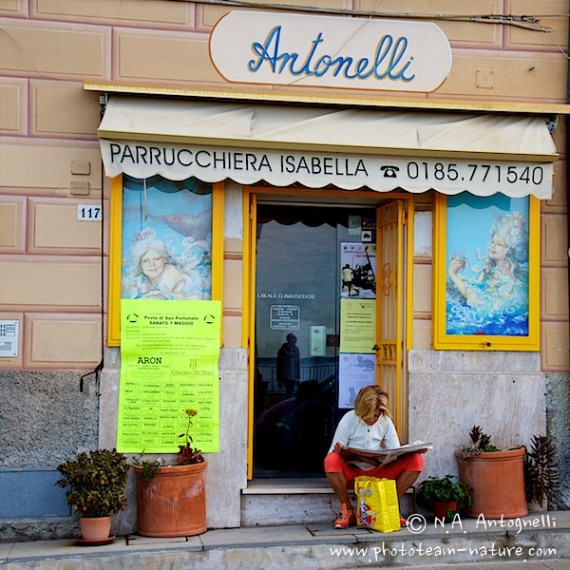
<point>369,427</point>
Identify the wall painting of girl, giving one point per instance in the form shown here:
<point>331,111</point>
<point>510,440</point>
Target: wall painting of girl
<point>162,245</point>
<point>167,238</point>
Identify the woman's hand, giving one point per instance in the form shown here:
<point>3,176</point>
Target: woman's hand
<point>456,266</point>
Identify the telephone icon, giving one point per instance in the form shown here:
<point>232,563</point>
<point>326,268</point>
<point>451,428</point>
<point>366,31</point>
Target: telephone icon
<point>389,171</point>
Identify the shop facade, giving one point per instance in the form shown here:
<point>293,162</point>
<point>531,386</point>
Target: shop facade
<point>349,205</point>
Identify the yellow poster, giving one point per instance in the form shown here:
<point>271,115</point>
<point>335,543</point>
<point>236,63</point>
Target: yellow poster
<point>169,362</point>
<point>357,325</point>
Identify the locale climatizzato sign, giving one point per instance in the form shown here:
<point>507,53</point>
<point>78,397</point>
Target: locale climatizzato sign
<point>326,51</point>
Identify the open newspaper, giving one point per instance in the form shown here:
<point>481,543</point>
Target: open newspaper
<point>382,456</point>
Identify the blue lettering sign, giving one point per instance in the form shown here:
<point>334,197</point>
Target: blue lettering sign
<point>389,62</point>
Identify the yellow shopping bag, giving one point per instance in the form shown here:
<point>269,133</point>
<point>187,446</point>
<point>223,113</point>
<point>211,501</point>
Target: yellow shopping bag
<point>377,505</point>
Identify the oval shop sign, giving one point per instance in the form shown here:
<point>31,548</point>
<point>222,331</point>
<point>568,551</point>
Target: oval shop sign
<point>324,51</point>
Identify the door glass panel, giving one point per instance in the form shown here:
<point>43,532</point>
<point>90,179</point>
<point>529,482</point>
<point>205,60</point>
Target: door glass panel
<point>298,290</point>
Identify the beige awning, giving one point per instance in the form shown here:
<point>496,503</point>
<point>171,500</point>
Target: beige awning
<point>318,146</point>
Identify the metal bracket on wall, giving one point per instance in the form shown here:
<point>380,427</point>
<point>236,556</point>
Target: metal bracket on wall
<point>96,372</point>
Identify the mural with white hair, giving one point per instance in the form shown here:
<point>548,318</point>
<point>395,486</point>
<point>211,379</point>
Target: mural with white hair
<point>167,239</point>
<point>487,293</point>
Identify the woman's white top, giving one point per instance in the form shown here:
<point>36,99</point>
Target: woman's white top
<point>355,432</point>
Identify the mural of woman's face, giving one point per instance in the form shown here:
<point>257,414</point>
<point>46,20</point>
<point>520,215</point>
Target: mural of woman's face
<point>498,247</point>
<point>152,264</point>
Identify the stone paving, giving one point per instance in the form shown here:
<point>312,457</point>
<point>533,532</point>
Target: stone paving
<point>537,542</point>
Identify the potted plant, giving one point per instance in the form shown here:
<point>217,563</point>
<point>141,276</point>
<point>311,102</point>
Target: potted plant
<point>171,499</point>
<point>496,477</point>
<point>443,496</point>
<point>96,482</point>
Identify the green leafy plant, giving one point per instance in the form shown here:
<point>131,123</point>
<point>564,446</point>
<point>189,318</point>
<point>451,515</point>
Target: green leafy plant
<point>480,442</point>
<point>542,478</point>
<point>96,482</point>
<point>148,469</point>
<point>443,490</point>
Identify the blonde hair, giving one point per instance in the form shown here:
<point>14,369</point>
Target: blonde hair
<point>370,399</point>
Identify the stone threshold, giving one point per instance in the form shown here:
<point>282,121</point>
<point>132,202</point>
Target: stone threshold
<point>297,486</point>
<point>287,486</point>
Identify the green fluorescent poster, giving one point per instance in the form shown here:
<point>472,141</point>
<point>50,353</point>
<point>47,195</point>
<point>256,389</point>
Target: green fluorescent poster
<point>169,362</point>
<point>357,325</point>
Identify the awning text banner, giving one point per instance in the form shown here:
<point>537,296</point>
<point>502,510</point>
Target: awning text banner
<point>317,146</point>
<point>320,169</point>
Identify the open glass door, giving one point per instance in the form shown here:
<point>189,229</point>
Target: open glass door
<point>302,292</point>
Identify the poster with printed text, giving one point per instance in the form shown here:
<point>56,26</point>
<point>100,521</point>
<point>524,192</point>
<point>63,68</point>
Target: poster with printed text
<point>169,363</point>
<point>357,325</point>
<point>358,270</point>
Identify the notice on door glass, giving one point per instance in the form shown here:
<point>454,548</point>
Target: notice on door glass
<point>285,317</point>
<point>358,270</point>
<point>169,363</point>
<point>354,372</point>
<point>357,325</point>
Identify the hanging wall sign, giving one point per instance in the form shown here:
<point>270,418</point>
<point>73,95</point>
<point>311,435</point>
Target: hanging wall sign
<point>169,363</point>
<point>324,51</point>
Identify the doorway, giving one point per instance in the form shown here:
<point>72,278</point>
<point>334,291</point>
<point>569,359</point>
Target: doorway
<point>312,260</point>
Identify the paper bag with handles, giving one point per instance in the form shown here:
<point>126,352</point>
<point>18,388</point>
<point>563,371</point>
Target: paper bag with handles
<point>377,505</point>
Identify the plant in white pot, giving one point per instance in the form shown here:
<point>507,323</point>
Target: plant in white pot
<point>96,484</point>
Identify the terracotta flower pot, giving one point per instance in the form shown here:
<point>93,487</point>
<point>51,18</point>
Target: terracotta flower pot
<point>173,503</point>
<point>95,529</point>
<point>497,479</point>
<point>441,508</point>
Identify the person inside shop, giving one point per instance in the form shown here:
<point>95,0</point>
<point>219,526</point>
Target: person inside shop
<point>368,426</point>
<point>289,365</point>
<point>310,428</point>
<point>297,431</point>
